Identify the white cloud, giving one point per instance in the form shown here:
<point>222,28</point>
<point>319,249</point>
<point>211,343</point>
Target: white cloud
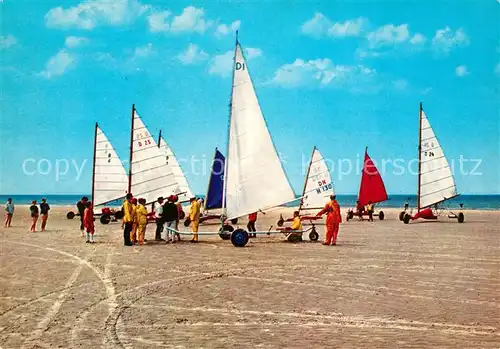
<point>316,26</point>
<point>461,71</point>
<point>157,21</point>
<point>418,39</point>
<point>192,55</point>
<point>322,73</point>
<point>92,13</point>
<point>7,41</point>
<point>321,25</point>
<point>388,34</point>
<point>191,19</point>
<point>221,64</point>
<point>75,41</point>
<point>224,29</point>
<point>348,28</point>
<point>58,64</point>
<point>446,39</point>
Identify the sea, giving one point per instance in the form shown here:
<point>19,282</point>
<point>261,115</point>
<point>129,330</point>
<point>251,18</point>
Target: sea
<point>470,202</point>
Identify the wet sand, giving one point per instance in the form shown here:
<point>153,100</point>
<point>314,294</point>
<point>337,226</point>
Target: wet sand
<point>385,285</point>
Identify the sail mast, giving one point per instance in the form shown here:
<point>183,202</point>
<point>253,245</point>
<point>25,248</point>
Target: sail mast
<point>159,140</point>
<point>224,209</point>
<point>419,156</point>
<point>362,173</point>
<point>307,177</point>
<point>93,163</point>
<point>131,150</point>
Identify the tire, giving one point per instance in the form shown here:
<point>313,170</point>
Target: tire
<point>381,215</point>
<point>105,219</point>
<point>225,232</point>
<point>293,238</point>
<point>313,235</point>
<point>234,221</point>
<point>350,214</point>
<point>118,215</point>
<point>280,222</point>
<point>347,217</point>
<point>187,222</point>
<point>406,219</point>
<point>239,238</point>
<point>70,215</point>
<point>461,217</point>
<point>402,216</point>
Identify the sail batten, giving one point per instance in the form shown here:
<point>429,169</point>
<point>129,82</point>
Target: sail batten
<point>436,182</point>
<point>255,178</point>
<point>318,186</point>
<point>151,176</point>
<point>110,179</point>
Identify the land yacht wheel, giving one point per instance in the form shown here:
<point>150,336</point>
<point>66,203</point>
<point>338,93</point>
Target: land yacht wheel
<point>239,238</point>
<point>70,215</point>
<point>461,217</point>
<point>225,232</point>
<point>402,216</point>
<point>381,215</point>
<point>406,219</point>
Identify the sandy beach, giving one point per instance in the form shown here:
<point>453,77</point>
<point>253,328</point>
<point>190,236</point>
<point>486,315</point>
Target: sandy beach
<point>386,285</point>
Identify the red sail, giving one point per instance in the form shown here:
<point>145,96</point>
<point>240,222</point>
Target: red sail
<point>372,186</point>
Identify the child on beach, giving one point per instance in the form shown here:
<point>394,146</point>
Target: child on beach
<point>9,212</point>
<point>141,214</point>
<point>34,215</point>
<point>88,222</point>
<point>44,212</point>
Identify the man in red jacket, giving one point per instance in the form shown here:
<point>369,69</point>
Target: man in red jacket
<point>333,220</point>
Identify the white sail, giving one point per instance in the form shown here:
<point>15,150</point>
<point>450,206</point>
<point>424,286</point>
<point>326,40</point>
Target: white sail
<point>180,178</point>
<point>110,177</point>
<point>319,186</point>
<point>255,178</point>
<point>151,177</point>
<point>436,180</point>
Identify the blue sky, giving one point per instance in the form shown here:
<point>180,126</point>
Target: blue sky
<point>338,75</point>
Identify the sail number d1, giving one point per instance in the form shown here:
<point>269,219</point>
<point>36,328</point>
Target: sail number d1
<point>240,66</point>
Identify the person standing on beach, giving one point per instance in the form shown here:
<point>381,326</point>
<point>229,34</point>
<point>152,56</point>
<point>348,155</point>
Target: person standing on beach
<point>194,216</point>
<point>159,218</point>
<point>133,233</point>
<point>141,214</point>
<point>333,220</point>
<point>88,222</point>
<point>9,212</point>
<point>34,215</point>
<point>252,219</point>
<point>127,219</point>
<point>180,215</point>
<point>81,206</point>
<point>369,209</point>
<point>170,216</point>
<point>44,212</point>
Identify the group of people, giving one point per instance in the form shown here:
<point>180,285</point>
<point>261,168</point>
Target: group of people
<point>35,212</point>
<point>167,215</point>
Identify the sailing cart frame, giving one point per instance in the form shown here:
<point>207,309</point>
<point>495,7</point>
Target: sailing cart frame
<point>429,209</point>
<point>239,237</point>
<point>351,214</point>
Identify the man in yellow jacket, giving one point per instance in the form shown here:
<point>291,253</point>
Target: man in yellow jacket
<point>194,216</point>
<point>128,219</point>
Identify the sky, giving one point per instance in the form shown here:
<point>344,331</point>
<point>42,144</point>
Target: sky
<point>339,75</point>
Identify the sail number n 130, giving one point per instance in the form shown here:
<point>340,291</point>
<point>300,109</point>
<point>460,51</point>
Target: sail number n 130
<point>240,66</point>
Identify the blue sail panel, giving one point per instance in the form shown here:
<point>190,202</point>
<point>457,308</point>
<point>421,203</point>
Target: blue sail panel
<point>216,184</point>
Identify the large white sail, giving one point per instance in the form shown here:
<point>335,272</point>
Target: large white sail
<point>255,178</point>
<point>110,178</point>
<point>151,177</point>
<point>319,186</point>
<point>180,178</point>
<point>436,180</point>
